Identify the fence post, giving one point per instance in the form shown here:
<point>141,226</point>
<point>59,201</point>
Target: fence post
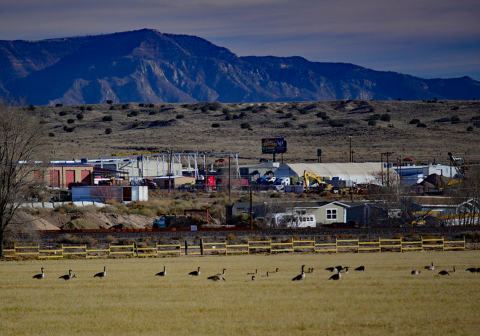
<point>201,246</point>
<point>186,247</point>
<point>136,249</point>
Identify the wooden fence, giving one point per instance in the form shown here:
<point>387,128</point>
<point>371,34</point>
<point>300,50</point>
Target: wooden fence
<point>250,247</point>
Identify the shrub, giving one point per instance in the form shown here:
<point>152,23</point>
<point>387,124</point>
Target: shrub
<point>62,113</point>
<point>215,125</point>
<point>108,131</point>
<point>245,125</point>
<point>421,125</point>
<point>455,119</point>
<point>372,109</point>
<point>134,113</point>
<point>71,121</point>
<point>289,115</point>
<point>287,124</point>
<point>180,116</point>
<point>334,123</point>
<point>470,129</point>
<point>243,114</point>
<point>455,108</point>
<point>80,116</point>
<point>303,111</point>
<point>51,135</point>
<point>279,111</point>
<point>107,118</point>
<point>58,105</point>
<point>303,126</point>
<point>82,108</point>
<point>42,122</point>
<point>110,102</point>
<point>124,106</point>
<point>68,129</point>
<point>135,124</point>
<point>31,107</point>
<point>151,105</point>
<point>141,104</point>
<point>385,117</point>
<point>375,117</point>
<point>372,122</point>
<point>225,110</point>
<point>414,121</point>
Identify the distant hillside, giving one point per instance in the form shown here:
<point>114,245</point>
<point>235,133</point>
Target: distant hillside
<point>146,66</point>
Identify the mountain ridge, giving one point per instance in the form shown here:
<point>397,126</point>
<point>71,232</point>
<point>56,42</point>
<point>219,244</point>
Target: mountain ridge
<point>153,67</point>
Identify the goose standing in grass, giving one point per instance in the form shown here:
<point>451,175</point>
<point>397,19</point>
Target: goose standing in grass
<point>331,269</point>
<point>276,270</point>
<point>67,276</point>
<point>360,268</point>
<point>310,270</point>
<point>443,273</point>
<point>346,269</point>
<point>253,272</point>
<point>340,268</point>
<point>300,276</point>
<point>336,276</point>
<point>253,277</point>
<point>266,275</point>
<point>431,267</point>
<point>162,273</point>
<point>39,276</point>
<point>471,270</point>
<point>415,272</point>
<point>195,273</point>
<point>222,274</point>
<point>101,274</point>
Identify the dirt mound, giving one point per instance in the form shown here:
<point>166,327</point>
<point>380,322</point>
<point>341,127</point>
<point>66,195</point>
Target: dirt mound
<point>436,180</point>
<point>80,224</point>
<point>36,222</point>
<point>125,226</point>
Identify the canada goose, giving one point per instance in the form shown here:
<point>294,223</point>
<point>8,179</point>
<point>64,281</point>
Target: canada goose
<point>216,277</point>
<point>471,270</point>
<point>310,270</point>
<point>67,276</point>
<point>415,272</point>
<point>443,273</point>
<point>360,268</point>
<point>431,267</point>
<point>253,277</point>
<point>101,274</point>
<point>331,269</point>
<point>162,273</point>
<point>300,276</point>
<point>195,273</point>
<point>223,273</point>
<point>454,269</point>
<point>336,276</point>
<point>478,270</point>
<point>276,270</point>
<point>253,272</point>
<point>39,276</point>
<point>346,269</point>
<point>268,273</point>
<point>340,268</point>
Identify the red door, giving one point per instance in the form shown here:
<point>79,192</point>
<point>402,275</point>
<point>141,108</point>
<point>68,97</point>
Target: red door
<point>55,178</point>
<point>86,177</point>
<point>69,178</point>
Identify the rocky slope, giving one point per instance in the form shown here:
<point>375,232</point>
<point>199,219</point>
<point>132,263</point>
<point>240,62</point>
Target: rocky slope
<point>150,67</point>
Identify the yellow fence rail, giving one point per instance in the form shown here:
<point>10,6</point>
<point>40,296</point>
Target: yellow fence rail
<point>252,246</point>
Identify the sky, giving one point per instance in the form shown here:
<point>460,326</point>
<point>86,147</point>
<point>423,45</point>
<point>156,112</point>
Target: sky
<point>423,38</point>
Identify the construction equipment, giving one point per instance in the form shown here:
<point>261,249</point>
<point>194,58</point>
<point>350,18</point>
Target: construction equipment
<point>321,183</point>
<point>458,163</point>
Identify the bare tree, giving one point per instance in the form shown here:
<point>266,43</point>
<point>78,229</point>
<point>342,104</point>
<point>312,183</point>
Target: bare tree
<point>21,142</point>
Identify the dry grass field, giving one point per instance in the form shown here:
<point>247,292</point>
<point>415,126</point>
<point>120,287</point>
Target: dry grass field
<point>130,300</point>
<point>450,126</point>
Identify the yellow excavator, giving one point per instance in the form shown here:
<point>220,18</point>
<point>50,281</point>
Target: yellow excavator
<point>322,184</point>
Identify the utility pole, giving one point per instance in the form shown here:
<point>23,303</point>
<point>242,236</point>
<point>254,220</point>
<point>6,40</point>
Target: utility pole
<point>229,181</point>
<point>251,209</point>
<point>387,154</point>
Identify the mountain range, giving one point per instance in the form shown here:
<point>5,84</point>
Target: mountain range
<point>152,67</point>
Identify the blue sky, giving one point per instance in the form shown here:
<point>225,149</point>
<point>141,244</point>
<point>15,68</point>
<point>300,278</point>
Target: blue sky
<point>424,38</point>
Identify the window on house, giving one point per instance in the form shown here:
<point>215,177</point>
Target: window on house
<point>331,214</point>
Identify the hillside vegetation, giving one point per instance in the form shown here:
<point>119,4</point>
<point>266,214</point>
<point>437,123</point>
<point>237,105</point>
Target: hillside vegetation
<point>423,130</point>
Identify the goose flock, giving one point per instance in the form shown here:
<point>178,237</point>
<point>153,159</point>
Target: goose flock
<point>339,270</point>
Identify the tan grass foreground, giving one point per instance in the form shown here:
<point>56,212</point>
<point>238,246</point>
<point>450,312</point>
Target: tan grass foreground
<point>385,299</point>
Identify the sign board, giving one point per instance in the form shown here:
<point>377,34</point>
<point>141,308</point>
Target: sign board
<point>274,146</point>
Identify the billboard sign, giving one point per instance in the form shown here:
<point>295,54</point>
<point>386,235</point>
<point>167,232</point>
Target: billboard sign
<point>274,146</point>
